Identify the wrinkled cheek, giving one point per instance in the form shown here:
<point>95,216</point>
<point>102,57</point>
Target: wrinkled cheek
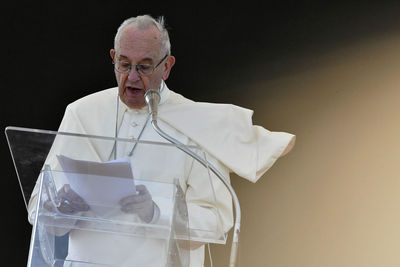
<point>118,77</point>
<point>120,81</point>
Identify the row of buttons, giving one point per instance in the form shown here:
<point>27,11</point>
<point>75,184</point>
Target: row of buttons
<point>137,120</point>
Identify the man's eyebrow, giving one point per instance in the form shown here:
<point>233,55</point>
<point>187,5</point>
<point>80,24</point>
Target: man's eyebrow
<point>147,59</point>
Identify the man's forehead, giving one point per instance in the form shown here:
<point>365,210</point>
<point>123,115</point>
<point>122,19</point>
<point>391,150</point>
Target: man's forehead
<point>133,34</point>
<point>135,41</point>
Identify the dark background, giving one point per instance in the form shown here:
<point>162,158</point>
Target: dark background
<point>54,53</point>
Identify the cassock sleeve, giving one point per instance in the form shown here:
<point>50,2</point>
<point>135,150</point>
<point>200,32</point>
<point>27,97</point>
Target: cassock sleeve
<point>209,202</point>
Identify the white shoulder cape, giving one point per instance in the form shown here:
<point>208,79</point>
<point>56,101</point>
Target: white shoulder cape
<point>224,131</point>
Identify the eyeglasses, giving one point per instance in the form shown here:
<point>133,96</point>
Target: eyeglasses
<point>143,69</point>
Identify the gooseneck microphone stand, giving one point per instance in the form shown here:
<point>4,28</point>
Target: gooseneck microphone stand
<point>152,98</point>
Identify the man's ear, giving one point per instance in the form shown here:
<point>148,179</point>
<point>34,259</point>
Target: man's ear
<point>112,53</point>
<point>169,63</point>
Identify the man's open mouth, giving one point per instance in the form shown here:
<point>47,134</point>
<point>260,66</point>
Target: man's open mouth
<point>134,90</point>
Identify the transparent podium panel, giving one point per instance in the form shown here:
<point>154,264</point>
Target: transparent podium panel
<point>103,201</point>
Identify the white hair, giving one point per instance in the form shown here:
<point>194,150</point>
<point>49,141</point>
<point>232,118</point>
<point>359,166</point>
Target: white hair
<point>144,22</point>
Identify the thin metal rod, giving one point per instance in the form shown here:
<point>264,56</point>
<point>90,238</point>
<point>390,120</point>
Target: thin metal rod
<point>206,164</point>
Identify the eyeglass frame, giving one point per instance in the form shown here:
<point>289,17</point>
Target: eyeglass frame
<point>137,69</point>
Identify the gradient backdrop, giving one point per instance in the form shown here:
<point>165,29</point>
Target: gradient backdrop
<point>328,73</point>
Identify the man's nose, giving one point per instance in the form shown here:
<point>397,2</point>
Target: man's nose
<point>133,75</point>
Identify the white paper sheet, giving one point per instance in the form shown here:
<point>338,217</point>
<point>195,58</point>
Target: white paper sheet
<point>101,185</point>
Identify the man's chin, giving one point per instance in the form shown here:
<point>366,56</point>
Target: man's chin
<point>134,103</point>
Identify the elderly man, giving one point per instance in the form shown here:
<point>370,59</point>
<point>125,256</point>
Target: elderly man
<point>142,60</point>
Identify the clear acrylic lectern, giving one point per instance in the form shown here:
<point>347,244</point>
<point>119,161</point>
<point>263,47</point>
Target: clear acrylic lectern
<point>103,170</point>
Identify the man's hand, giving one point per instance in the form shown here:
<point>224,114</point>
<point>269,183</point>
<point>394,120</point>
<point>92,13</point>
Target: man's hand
<point>140,204</point>
<point>71,202</point>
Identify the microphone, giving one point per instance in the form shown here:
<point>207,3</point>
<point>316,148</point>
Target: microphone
<point>152,98</point>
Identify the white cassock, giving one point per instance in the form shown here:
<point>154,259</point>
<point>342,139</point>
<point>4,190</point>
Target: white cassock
<point>225,132</point>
